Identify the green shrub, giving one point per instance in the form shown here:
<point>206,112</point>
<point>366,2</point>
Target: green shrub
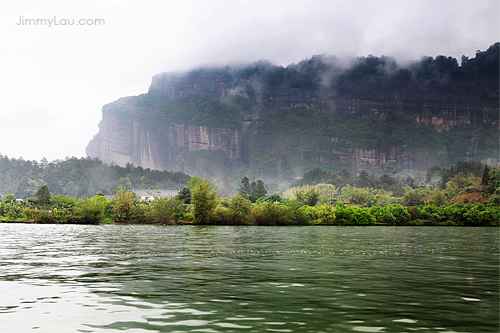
<point>415,213</point>
<point>307,196</point>
<point>383,215</point>
<point>188,217</point>
<point>167,210</point>
<point>91,211</point>
<point>13,211</point>
<point>400,213</point>
<point>323,214</point>
<point>221,216</point>
<point>298,216</point>
<point>31,202</point>
<point>43,216</point>
<point>416,223</point>
<point>140,213</point>
<point>204,200</point>
<point>123,205</point>
<point>269,213</point>
<point>29,214</point>
<point>480,215</point>
<point>413,197</point>
<point>455,213</point>
<point>9,198</point>
<point>62,201</point>
<point>272,198</point>
<point>240,210</point>
<point>354,215</point>
<point>431,213</point>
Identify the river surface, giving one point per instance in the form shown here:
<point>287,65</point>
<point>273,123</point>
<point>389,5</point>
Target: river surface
<point>136,278</point>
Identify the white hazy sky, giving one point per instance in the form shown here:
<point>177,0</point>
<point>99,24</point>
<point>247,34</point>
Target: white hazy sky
<point>54,80</point>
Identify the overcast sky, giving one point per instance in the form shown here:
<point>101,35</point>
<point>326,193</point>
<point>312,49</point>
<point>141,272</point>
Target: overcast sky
<point>55,79</point>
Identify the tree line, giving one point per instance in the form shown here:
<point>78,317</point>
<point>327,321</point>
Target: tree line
<point>319,204</point>
<point>79,177</point>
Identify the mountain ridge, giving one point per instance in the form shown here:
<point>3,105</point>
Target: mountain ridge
<point>274,121</point>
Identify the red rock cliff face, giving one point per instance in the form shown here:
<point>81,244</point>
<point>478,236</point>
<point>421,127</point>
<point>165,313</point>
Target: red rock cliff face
<point>203,150</point>
<point>122,141</point>
<point>366,159</point>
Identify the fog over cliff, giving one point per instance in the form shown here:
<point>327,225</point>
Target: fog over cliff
<point>276,122</point>
<point>54,80</point>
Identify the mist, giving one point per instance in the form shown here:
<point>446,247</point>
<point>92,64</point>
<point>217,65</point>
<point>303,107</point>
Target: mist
<point>54,80</point>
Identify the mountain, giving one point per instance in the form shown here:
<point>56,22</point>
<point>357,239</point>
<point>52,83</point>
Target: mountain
<point>278,122</point>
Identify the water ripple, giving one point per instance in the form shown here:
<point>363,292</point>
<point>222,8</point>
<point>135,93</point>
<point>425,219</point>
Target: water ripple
<point>222,279</point>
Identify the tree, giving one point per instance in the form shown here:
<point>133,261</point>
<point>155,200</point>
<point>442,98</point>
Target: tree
<point>124,205</point>
<point>435,197</point>
<point>260,190</point>
<point>9,198</point>
<point>433,173</point>
<point>363,179</point>
<point>70,189</point>
<point>193,182</point>
<point>43,195</point>
<point>314,177</point>
<point>485,177</point>
<point>184,195</point>
<point>240,209</point>
<point>245,188</point>
<point>225,187</point>
<point>252,191</point>
<point>309,197</point>
<point>413,197</point>
<point>460,184</point>
<point>204,200</point>
<point>167,210</point>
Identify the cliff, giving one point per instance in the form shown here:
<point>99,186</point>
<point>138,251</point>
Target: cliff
<point>175,147</point>
<point>277,122</point>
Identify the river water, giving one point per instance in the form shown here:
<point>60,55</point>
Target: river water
<point>73,278</point>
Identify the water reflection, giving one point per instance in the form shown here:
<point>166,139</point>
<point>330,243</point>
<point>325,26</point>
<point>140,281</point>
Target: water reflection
<point>253,279</point>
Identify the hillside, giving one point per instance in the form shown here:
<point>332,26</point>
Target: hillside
<point>277,122</point>
<point>79,177</point>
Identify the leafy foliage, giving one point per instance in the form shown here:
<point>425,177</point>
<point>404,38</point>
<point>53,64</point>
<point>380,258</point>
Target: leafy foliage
<point>43,195</point>
<point>204,200</point>
<point>252,191</point>
<point>307,196</point>
<point>311,205</point>
<point>124,205</point>
<point>167,210</point>
<point>184,195</point>
<point>79,177</point>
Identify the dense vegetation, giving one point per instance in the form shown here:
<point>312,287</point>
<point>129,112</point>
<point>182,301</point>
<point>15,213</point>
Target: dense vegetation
<point>296,140</point>
<point>154,110</point>
<point>79,177</point>
<point>471,199</point>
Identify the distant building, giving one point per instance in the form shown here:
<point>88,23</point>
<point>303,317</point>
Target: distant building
<point>148,194</point>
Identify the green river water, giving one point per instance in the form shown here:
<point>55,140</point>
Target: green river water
<point>142,278</point>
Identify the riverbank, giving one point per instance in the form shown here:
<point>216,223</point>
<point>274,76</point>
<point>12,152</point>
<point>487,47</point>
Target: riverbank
<point>205,208</point>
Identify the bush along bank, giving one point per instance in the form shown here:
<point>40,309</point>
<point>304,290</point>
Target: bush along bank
<point>203,207</point>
